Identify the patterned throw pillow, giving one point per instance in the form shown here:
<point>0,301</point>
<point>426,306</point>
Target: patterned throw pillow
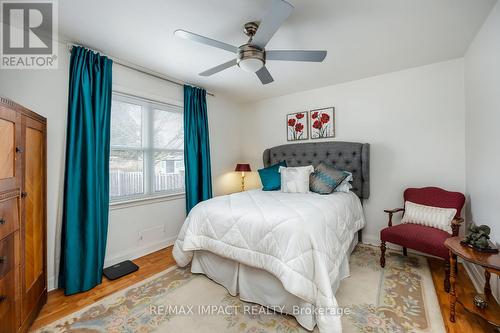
<point>435,217</point>
<point>325,179</point>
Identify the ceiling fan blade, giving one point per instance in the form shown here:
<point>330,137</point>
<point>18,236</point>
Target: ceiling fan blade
<point>271,22</point>
<point>296,55</point>
<point>205,40</point>
<point>219,68</point>
<point>264,75</point>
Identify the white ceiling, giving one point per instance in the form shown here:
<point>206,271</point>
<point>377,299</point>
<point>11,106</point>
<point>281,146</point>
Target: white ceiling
<point>363,37</point>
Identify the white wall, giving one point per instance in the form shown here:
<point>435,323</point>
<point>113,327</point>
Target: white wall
<point>45,92</point>
<point>413,119</point>
<point>482,87</point>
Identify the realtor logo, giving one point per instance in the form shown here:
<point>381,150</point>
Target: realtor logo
<point>29,34</point>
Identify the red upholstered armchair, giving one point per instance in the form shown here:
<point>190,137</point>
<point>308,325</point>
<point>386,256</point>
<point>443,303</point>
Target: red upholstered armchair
<point>423,238</point>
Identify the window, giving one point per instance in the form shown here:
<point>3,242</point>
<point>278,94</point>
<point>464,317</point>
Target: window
<point>147,149</point>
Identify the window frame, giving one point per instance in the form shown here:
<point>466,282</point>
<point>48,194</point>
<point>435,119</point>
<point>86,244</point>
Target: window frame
<point>148,106</point>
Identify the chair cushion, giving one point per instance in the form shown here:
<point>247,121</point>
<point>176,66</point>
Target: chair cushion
<point>417,237</point>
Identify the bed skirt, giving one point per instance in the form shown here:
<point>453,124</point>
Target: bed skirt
<point>258,286</point>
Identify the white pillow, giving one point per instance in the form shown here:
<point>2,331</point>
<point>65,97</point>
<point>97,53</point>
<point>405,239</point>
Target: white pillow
<point>295,180</point>
<point>436,217</point>
<point>345,186</point>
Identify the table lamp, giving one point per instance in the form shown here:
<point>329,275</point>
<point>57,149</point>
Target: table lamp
<point>242,168</point>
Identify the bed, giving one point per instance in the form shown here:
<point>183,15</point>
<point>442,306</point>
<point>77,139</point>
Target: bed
<point>286,251</point>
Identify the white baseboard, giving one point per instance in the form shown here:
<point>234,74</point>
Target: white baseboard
<point>51,283</point>
<point>371,240</point>
<point>139,252</point>
<point>127,255</point>
<point>375,241</point>
<point>475,275</point>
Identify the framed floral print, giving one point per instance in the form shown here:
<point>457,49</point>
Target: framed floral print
<point>322,123</point>
<point>296,126</point>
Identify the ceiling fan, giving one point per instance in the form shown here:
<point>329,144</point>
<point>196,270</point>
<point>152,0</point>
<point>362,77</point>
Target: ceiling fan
<point>252,56</point>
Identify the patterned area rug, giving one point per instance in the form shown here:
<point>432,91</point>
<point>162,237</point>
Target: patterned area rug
<point>399,298</point>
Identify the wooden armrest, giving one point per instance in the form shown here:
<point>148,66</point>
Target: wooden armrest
<point>395,210</point>
<point>455,225</point>
<point>392,211</point>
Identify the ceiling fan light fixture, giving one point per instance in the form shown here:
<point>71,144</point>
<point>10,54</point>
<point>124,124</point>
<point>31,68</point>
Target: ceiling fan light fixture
<point>251,65</point>
<point>250,58</point>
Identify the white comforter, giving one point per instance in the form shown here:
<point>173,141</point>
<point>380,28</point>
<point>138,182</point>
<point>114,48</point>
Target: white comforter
<point>300,238</point>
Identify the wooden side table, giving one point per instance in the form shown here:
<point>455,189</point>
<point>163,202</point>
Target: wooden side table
<point>491,264</point>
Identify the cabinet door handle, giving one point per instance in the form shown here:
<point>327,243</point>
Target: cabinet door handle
<point>3,260</point>
<point>24,194</point>
<point>3,298</point>
<point>2,221</point>
<point>19,150</point>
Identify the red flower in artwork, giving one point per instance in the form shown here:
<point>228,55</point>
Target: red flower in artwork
<point>325,118</point>
<point>317,124</point>
<point>299,127</point>
<point>299,115</point>
<point>314,115</point>
<point>291,122</point>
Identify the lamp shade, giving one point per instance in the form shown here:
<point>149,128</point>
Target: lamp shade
<point>251,65</point>
<point>242,167</point>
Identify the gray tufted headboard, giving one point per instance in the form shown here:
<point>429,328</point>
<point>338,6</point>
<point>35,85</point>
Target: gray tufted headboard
<point>349,156</point>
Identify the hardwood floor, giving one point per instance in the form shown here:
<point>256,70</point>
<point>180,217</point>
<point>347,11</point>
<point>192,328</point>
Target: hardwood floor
<point>59,306</point>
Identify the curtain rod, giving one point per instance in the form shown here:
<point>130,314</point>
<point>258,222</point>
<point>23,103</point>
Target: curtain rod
<point>138,68</point>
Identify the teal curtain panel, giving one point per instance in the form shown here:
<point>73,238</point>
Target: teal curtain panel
<point>196,147</point>
<point>86,182</point>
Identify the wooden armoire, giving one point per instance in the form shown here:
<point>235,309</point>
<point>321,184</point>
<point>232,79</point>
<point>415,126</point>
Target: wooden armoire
<point>23,232</point>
